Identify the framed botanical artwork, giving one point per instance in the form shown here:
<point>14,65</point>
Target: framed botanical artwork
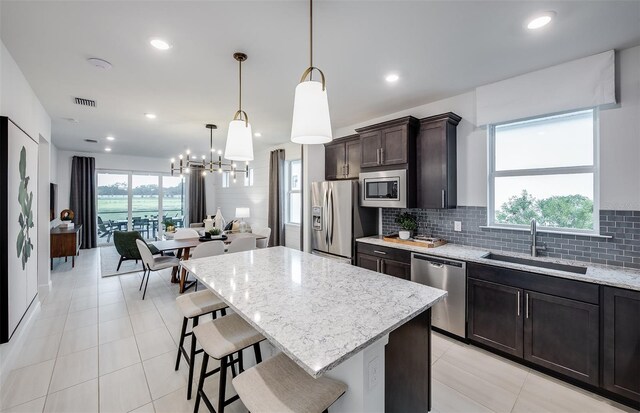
<point>18,225</point>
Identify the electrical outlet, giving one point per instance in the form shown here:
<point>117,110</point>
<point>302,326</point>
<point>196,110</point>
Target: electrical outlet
<point>373,373</point>
<point>457,226</point>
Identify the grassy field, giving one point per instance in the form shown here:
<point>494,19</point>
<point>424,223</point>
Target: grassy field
<point>115,207</point>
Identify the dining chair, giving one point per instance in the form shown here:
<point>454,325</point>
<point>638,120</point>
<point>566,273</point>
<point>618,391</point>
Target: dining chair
<point>242,244</point>
<point>208,249</point>
<point>152,263</point>
<point>185,233</point>
<point>264,232</point>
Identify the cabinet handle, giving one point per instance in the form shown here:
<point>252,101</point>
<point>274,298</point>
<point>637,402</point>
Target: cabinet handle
<point>443,198</point>
<point>381,155</point>
<point>518,303</point>
<point>526,307</point>
<point>380,252</point>
<point>377,265</point>
<point>378,156</point>
<point>347,174</point>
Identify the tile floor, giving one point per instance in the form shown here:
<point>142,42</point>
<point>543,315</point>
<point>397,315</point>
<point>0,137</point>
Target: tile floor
<point>96,346</point>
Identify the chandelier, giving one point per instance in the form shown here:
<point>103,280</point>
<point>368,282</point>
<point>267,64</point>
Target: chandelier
<point>188,164</point>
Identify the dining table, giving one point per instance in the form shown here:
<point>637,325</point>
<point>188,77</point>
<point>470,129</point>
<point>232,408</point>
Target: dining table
<point>182,248</point>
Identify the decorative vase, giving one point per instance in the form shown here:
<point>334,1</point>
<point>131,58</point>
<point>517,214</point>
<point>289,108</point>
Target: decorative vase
<point>208,223</point>
<point>219,219</point>
<point>404,234</point>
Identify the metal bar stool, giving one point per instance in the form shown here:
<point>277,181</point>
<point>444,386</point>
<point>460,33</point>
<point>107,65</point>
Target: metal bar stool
<point>280,385</point>
<point>192,306</point>
<point>221,339</point>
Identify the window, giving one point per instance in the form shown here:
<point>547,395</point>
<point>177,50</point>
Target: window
<point>248,178</point>
<point>293,191</point>
<point>225,179</point>
<point>545,169</point>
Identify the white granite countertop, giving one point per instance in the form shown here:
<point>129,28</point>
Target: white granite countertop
<point>597,274</point>
<point>316,310</point>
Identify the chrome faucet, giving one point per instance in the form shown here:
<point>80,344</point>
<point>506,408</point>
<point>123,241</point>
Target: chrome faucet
<point>534,246</point>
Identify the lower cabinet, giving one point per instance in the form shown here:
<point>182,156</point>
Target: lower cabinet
<point>536,318</point>
<point>621,364</point>
<point>494,316</point>
<point>562,335</point>
<point>385,266</point>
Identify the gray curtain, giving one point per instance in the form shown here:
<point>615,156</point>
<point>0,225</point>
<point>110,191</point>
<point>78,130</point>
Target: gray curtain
<point>197,197</point>
<point>83,198</point>
<point>276,197</point>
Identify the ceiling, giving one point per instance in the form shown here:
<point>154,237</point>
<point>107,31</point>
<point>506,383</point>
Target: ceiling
<point>438,48</point>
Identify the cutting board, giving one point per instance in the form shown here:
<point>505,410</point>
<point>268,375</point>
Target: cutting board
<point>424,243</point>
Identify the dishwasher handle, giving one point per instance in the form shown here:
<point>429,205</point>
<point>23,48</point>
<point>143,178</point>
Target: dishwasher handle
<point>439,262</point>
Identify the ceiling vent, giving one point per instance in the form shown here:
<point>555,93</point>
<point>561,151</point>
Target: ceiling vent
<point>91,141</point>
<point>85,102</point>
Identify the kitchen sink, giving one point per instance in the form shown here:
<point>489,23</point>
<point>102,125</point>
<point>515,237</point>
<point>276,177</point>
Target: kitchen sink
<point>534,263</point>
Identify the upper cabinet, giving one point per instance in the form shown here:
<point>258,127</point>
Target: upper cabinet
<point>390,143</point>
<point>342,158</point>
<point>436,161</point>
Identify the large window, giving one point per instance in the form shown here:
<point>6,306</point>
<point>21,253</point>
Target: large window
<point>545,169</point>
<point>294,192</point>
<point>141,202</point>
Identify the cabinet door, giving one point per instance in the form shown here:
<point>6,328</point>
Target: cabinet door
<point>368,262</point>
<point>432,165</point>
<point>621,328</point>
<point>562,335</point>
<point>495,315</point>
<point>370,144</point>
<point>353,157</point>
<point>396,269</point>
<point>394,146</point>
<point>334,156</point>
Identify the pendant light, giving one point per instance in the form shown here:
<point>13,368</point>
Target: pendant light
<point>239,139</point>
<point>311,122</point>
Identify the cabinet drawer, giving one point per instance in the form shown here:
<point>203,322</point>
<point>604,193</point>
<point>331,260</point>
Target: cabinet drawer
<point>575,290</point>
<point>395,254</point>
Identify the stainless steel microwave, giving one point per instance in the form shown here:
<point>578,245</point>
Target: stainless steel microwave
<point>384,189</point>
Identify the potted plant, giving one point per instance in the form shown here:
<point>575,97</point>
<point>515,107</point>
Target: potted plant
<point>408,223</point>
<point>169,225</point>
<point>214,232</point>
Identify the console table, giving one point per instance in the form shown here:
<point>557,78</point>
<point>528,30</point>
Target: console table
<point>66,242</point>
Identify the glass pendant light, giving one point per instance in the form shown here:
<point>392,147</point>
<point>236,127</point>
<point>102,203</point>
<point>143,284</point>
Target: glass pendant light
<point>311,121</point>
<point>239,139</point>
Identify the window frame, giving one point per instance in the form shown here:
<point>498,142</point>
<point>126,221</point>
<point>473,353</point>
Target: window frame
<point>492,174</point>
<point>288,191</point>
<point>225,179</point>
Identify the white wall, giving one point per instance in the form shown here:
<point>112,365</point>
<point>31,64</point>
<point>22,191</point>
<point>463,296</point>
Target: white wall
<point>255,197</point>
<point>619,141</point>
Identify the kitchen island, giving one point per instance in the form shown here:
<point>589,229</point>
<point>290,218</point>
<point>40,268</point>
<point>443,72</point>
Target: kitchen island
<point>335,319</point>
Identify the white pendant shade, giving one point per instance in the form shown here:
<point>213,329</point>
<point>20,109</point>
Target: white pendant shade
<point>311,121</point>
<point>239,142</point>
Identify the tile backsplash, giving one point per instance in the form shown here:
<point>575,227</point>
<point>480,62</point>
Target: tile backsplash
<point>622,250</point>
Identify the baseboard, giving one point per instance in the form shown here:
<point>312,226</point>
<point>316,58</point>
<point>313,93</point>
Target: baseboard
<point>9,351</point>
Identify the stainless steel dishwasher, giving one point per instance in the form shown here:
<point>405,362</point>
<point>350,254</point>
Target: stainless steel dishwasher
<point>449,315</point>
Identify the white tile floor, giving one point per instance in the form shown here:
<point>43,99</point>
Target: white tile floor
<point>96,346</point>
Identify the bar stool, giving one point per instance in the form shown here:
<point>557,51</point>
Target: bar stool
<point>221,339</point>
<point>192,306</point>
<point>280,385</point>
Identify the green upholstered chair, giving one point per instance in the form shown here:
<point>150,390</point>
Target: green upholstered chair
<point>125,243</point>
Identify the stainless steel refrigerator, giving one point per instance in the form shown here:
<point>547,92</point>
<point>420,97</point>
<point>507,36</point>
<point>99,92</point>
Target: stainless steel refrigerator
<point>337,219</point>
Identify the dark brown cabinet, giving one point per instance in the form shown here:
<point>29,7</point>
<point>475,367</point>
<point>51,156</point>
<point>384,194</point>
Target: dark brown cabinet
<point>562,335</point>
<point>342,158</point>
<point>390,261</point>
<point>550,322</point>
<point>621,331</point>
<point>495,316</point>
<point>390,143</point>
<point>436,161</point>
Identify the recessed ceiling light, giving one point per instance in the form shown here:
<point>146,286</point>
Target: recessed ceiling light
<point>111,138</point>
<point>392,77</point>
<point>150,115</point>
<point>540,20</point>
<point>107,149</point>
<point>257,134</point>
<point>72,120</point>
<point>160,44</point>
<point>99,63</point>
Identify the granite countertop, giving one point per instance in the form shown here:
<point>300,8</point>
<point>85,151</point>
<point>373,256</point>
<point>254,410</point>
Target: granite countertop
<point>316,310</point>
<point>598,274</point>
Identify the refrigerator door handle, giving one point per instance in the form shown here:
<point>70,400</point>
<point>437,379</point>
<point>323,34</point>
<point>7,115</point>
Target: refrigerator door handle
<point>326,217</point>
<point>332,215</point>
